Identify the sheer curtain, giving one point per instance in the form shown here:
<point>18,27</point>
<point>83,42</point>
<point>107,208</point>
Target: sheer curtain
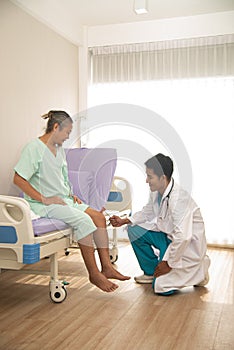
<point>188,58</point>
<point>200,110</point>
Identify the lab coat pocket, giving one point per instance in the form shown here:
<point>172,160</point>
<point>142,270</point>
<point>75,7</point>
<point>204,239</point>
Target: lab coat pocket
<point>165,224</point>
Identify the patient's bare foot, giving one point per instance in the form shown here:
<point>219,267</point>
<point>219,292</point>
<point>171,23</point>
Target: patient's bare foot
<point>110,272</point>
<point>100,281</point>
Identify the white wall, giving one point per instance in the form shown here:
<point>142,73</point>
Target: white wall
<point>39,72</point>
<point>54,14</point>
<point>164,29</point>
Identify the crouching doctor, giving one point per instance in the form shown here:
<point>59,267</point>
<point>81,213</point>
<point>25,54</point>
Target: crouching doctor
<point>168,234</point>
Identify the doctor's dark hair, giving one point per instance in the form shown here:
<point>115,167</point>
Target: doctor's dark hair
<point>56,117</point>
<point>161,165</point>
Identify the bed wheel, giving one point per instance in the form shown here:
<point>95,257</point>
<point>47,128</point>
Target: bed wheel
<point>58,293</point>
<point>113,255</point>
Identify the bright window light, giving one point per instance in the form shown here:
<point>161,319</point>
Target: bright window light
<point>201,111</point>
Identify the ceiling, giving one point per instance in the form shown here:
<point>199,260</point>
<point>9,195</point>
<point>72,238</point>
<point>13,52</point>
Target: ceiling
<point>101,12</point>
<point>70,17</point>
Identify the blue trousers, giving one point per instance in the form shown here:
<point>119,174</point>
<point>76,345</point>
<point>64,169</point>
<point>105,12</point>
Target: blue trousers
<point>141,241</point>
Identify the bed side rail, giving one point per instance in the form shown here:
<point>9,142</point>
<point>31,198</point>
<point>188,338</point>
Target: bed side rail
<point>16,231</point>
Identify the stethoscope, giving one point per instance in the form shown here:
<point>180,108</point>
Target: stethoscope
<point>166,198</point>
<point>168,195</point>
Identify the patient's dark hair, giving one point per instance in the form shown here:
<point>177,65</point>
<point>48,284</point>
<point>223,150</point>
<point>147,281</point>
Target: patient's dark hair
<point>56,117</point>
<point>161,165</point>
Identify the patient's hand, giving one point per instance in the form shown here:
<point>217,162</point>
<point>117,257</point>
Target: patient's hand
<point>77,200</point>
<point>53,200</point>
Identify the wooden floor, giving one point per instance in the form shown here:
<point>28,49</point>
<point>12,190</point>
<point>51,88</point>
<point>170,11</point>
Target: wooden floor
<point>130,318</point>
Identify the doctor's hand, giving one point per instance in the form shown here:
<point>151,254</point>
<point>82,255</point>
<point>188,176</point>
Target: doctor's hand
<point>116,221</point>
<point>53,200</point>
<point>162,269</point>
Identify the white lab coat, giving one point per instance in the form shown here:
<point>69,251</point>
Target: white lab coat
<point>180,218</point>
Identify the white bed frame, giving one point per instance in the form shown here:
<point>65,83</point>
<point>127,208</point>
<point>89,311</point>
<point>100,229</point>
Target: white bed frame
<point>26,249</point>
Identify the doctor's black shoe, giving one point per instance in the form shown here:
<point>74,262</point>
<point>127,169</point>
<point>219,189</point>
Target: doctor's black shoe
<point>207,278</point>
<point>144,279</point>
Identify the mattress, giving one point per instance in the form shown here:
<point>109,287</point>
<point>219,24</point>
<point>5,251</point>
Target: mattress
<point>45,225</point>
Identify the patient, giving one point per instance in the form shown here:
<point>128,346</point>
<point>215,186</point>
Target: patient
<point>42,175</point>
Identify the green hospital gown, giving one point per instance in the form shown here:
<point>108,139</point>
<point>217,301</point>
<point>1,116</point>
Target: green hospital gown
<point>48,174</point>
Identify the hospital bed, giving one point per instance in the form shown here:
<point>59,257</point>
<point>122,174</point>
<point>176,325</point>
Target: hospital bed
<point>24,240</point>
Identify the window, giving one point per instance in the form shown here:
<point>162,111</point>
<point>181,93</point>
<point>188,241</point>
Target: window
<point>201,113</point>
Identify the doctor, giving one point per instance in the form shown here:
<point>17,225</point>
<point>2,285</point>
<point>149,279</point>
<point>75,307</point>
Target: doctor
<point>168,234</point>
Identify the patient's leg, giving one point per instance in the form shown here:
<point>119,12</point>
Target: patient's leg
<point>95,276</point>
<point>101,240</point>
